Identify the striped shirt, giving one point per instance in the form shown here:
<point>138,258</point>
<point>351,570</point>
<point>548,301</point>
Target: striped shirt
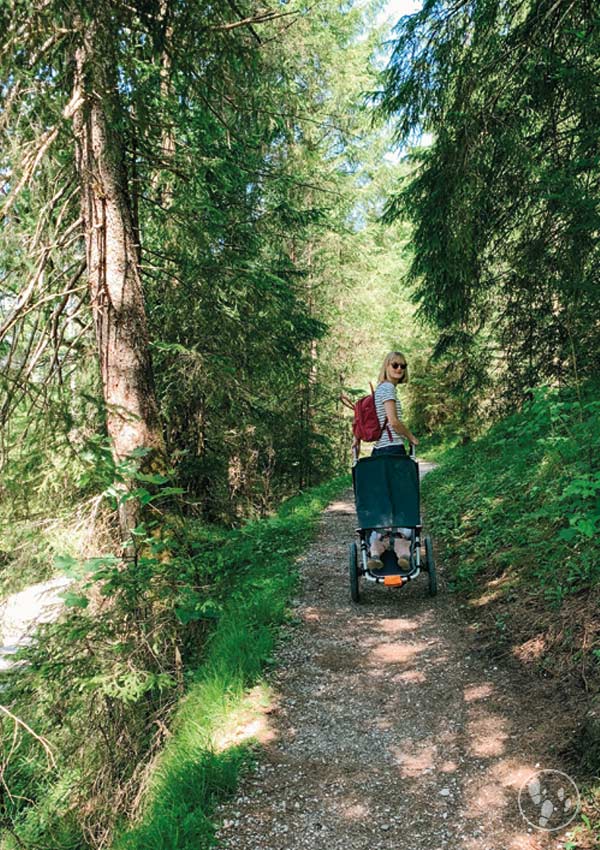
<point>386,391</point>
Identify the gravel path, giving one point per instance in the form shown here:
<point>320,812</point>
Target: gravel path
<point>386,729</point>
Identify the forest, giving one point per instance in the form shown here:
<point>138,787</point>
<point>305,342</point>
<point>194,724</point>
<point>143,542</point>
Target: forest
<point>216,220</point>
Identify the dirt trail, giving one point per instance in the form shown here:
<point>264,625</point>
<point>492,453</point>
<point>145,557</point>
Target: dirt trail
<point>387,730</point>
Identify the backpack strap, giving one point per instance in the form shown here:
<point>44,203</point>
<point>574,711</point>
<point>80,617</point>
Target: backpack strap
<point>385,425</point>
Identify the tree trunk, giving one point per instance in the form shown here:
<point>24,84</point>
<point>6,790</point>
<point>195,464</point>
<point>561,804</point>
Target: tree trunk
<point>112,251</point>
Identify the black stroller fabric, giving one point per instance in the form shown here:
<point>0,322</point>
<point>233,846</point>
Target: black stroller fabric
<point>386,491</point>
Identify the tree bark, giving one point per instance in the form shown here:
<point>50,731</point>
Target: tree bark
<point>112,251</point>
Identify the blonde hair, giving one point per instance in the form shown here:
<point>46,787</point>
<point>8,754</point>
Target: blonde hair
<point>393,355</point>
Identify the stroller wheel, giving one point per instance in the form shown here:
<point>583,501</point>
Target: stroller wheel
<point>353,573</point>
<point>430,566</point>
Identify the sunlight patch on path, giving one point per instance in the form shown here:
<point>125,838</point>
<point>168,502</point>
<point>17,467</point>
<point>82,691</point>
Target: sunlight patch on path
<point>389,732</point>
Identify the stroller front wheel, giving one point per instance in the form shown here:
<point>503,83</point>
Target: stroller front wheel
<point>353,573</point>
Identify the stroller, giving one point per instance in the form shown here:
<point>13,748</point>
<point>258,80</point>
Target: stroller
<point>386,492</point>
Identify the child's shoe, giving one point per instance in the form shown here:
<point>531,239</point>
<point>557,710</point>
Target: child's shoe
<point>404,566</point>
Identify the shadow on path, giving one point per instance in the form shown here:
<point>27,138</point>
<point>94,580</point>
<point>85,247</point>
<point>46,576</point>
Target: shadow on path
<point>384,731</point>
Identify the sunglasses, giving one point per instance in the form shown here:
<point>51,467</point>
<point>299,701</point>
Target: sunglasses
<point>398,365</point>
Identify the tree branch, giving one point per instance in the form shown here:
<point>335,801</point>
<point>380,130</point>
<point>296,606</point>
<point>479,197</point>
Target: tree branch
<point>257,19</point>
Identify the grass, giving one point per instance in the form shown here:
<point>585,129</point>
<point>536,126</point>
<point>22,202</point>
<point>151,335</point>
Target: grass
<point>196,769</point>
<point>521,503</point>
<point>516,517</point>
<point>184,643</point>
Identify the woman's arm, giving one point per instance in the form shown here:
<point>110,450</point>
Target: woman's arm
<point>399,427</point>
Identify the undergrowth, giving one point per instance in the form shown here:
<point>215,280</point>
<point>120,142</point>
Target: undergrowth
<point>126,692</point>
<point>516,518</point>
<point>52,503</point>
<point>523,501</point>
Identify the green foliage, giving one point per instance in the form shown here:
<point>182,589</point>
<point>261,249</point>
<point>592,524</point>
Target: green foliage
<point>254,182</point>
<point>193,779</point>
<point>515,516</point>
<point>522,502</point>
<point>195,614</point>
<point>254,179</point>
<point>504,200</point>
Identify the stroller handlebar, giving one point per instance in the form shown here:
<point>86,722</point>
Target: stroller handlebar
<point>412,454</point>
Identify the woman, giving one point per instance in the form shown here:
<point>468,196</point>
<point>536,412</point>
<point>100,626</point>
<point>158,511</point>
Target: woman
<point>394,371</point>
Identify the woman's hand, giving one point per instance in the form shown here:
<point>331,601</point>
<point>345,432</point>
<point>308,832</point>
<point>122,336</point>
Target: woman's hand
<point>413,440</point>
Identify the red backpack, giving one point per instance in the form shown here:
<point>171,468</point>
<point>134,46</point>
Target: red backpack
<point>366,422</point>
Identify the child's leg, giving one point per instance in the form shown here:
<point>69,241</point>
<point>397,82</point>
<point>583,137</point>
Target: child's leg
<point>378,547</point>
<point>402,547</point>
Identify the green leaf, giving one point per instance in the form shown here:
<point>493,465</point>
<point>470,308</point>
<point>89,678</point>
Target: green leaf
<point>171,346</point>
<point>151,479</point>
<point>74,600</point>
<point>140,493</point>
<point>141,451</point>
<point>169,491</point>
<point>188,615</point>
<point>94,564</point>
<point>67,564</point>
